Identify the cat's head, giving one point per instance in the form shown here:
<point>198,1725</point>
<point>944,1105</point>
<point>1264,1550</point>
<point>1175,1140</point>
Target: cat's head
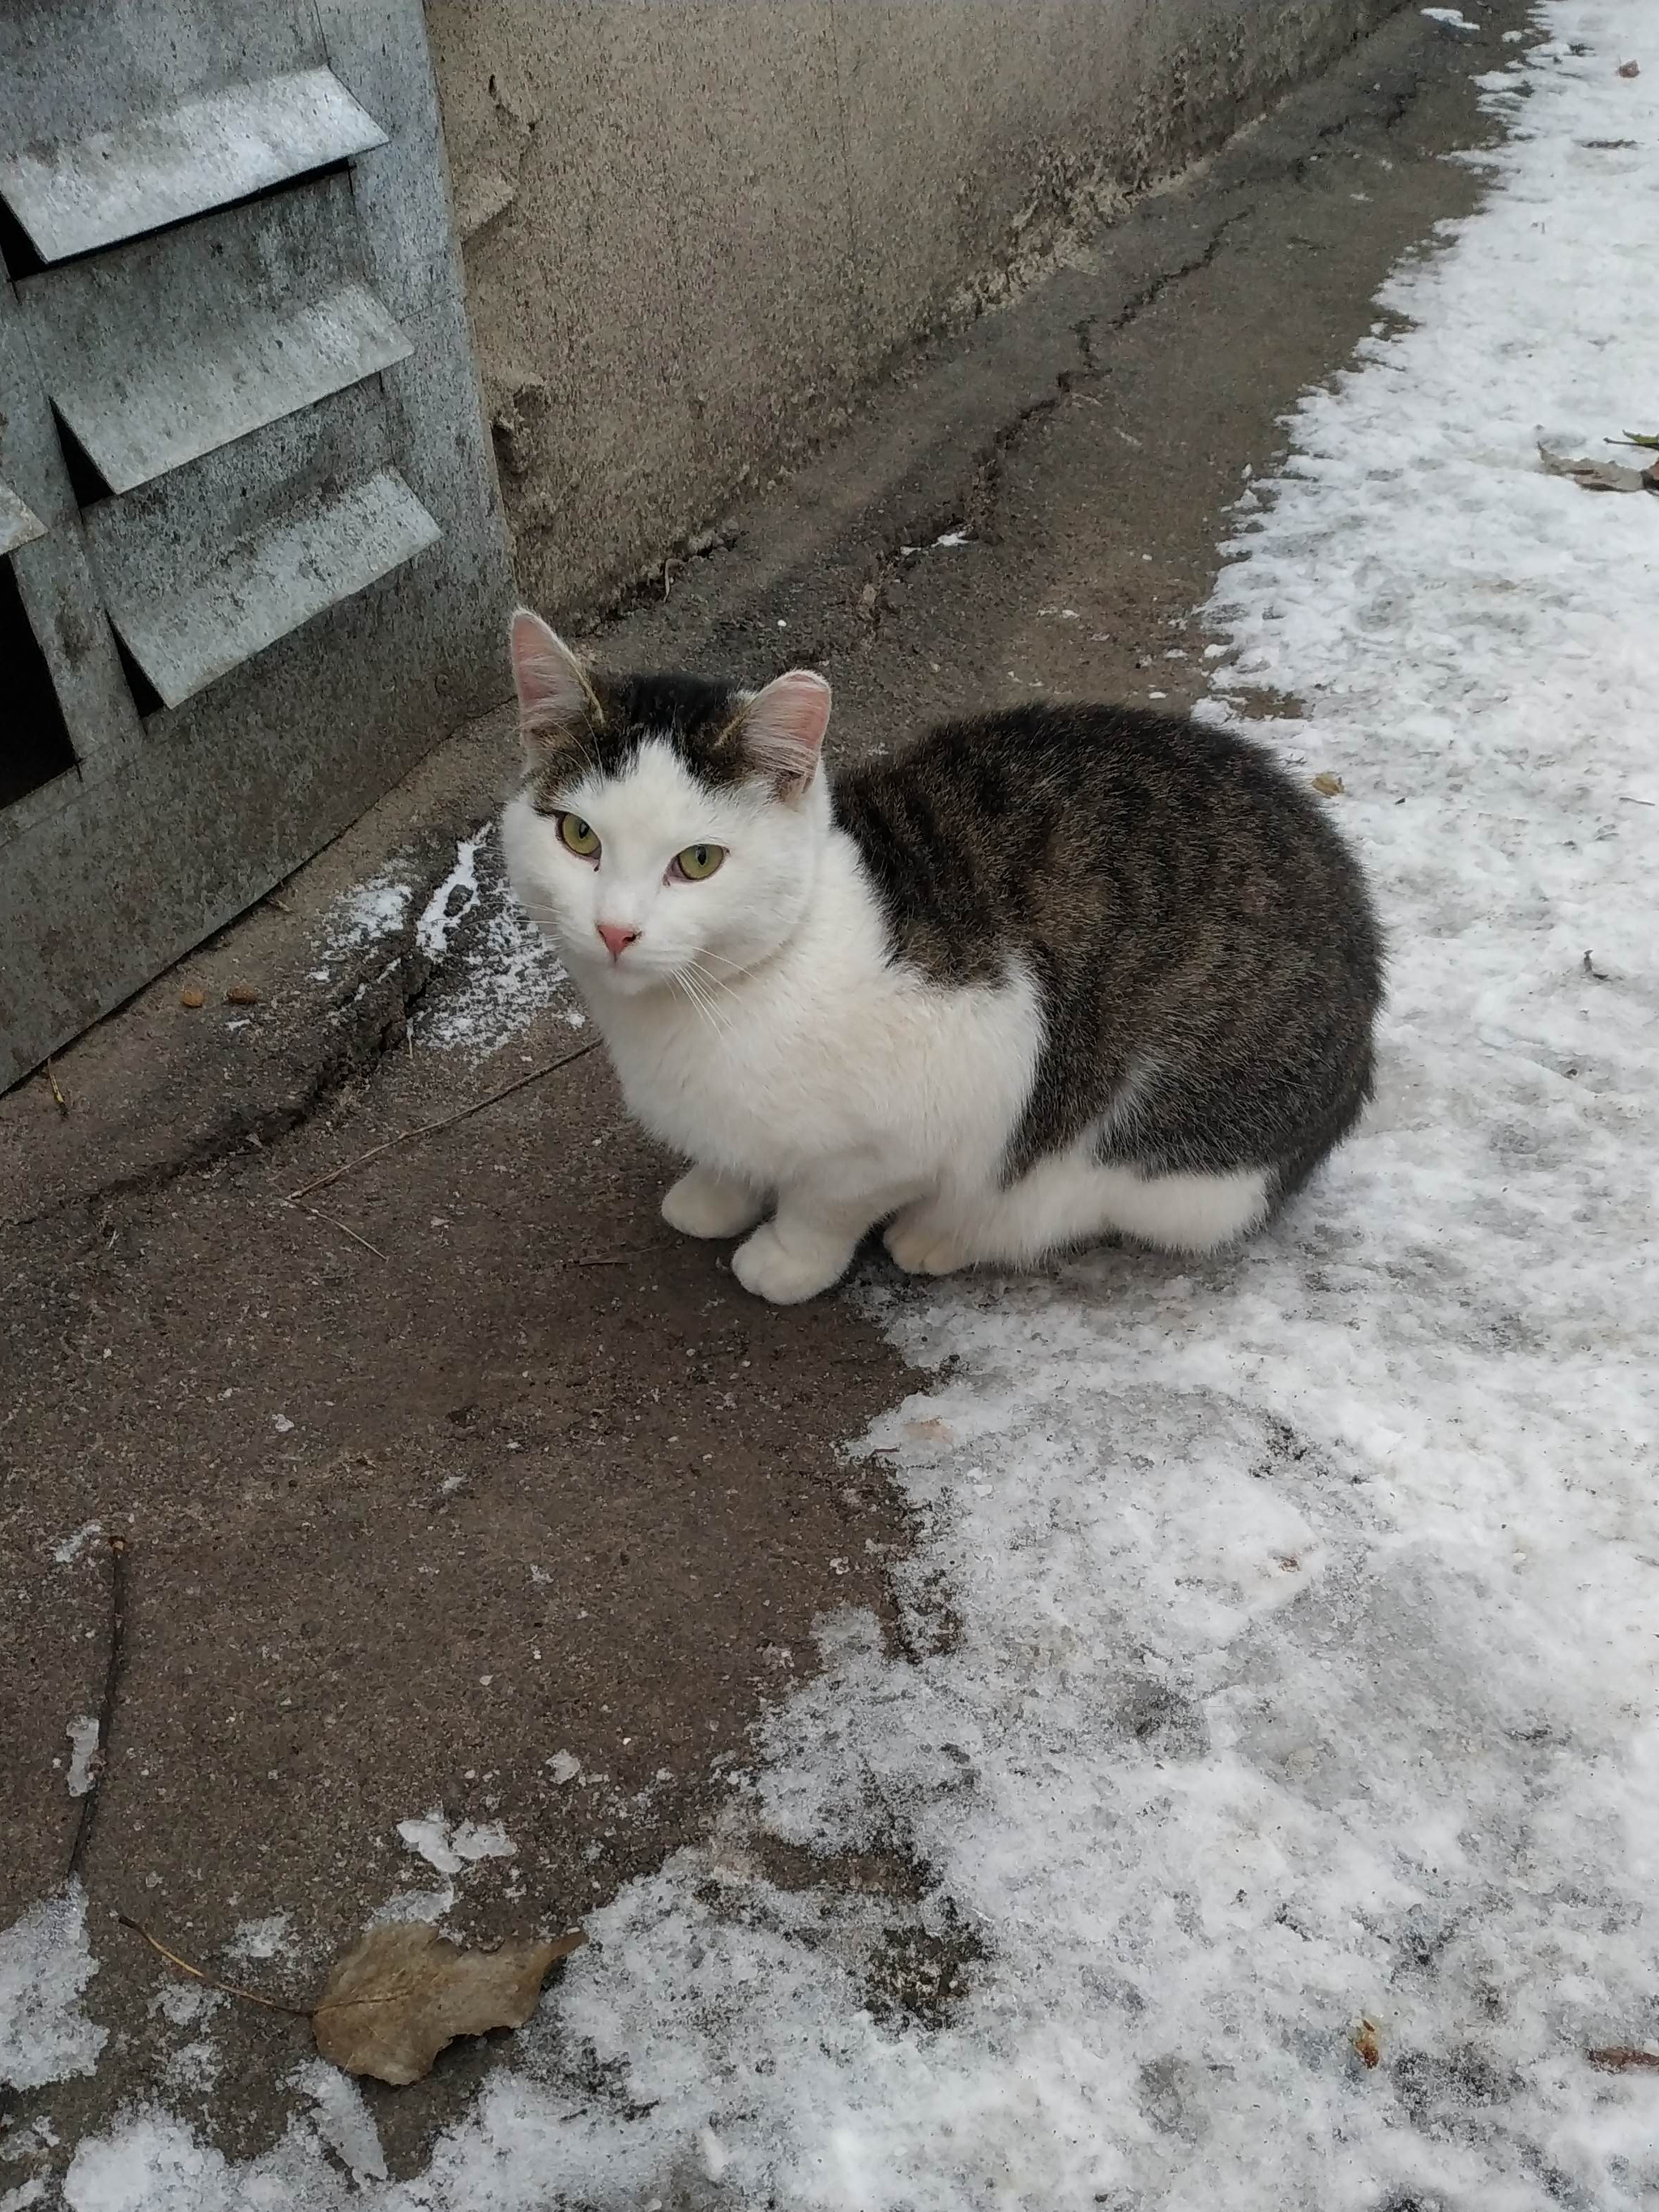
<point>669,829</point>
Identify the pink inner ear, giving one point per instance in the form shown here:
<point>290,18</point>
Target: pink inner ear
<point>546,675</point>
<point>784,726</point>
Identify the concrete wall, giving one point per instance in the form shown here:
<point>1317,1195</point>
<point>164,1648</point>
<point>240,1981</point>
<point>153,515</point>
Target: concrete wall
<point>692,228</point>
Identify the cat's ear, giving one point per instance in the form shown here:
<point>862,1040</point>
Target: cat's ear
<point>556,696</point>
<point>782,729</point>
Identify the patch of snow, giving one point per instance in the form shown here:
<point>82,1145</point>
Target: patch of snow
<point>46,1964</point>
<point>953,538</point>
<point>83,1742</point>
<point>1450,19</point>
<point>184,2003</point>
<point>449,1849</point>
<point>282,1424</point>
<point>507,973</point>
<point>260,1938</point>
<point>70,1550</point>
<point>454,899</point>
<point>374,910</point>
<point>564,1766</point>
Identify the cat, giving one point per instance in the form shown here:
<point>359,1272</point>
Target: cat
<point>1040,976</point>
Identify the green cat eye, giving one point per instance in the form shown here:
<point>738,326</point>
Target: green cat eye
<point>697,862</point>
<point>578,835</point>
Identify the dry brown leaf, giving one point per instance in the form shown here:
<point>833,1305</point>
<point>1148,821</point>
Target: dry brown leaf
<point>1332,785</point>
<point>192,997</point>
<point>241,994</point>
<point>1629,69</point>
<point>1593,476</point>
<point>1365,2043</point>
<point>1622,2058</point>
<point>404,1992</point>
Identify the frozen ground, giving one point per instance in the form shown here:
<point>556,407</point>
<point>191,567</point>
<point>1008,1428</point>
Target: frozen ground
<point>1284,1635</point>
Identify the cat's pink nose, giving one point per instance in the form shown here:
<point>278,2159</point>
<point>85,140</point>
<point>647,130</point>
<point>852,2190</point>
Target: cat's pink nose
<point>617,937</point>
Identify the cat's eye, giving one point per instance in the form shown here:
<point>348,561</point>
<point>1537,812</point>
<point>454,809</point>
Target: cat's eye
<point>697,862</point>
<point>579,836</point>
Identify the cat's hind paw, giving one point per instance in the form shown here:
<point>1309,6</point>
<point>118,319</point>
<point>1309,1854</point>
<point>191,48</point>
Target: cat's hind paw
<point>704,1204</point>
<point>924,1242</point>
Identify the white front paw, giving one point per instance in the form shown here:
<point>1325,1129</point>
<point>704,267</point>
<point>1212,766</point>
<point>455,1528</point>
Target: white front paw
<point>922,1240</point>
<point>703,1204</point>
<point>788,1273</point>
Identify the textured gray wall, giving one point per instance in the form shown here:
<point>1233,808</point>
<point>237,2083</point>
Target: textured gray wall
<point>691,228</point>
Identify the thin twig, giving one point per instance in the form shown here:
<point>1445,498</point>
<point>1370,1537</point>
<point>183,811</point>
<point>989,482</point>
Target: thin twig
<point>57,1097</point>
<point>208,1981</point>
<point>99,1764</point>
<point>448,1121</point>
<point>345,1228</point>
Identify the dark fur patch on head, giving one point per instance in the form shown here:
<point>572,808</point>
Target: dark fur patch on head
<point>700,719</point>
<point>1205,949</point>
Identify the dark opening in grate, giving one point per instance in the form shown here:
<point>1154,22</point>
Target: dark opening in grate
<point>34,745</point>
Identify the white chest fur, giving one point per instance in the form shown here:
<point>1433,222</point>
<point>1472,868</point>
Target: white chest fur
<point>826,1054</point>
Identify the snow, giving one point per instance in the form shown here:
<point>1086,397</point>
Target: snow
<point>372,910</point>
<point>342,2119</point>
<point>83,1743</point>
<point>449,1849</point>
<point>45,1967</point>
<point>256,1940</point>
<point>1298,1658</point>
<point>454,899</point>
<point>66,1553</point>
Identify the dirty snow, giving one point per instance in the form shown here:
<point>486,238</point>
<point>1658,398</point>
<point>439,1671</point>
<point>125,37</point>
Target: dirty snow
<point>372,910</point>
<point>1305,1652</point>
<point>45,1967</point>
<point>83,1743</point>
<point>66,1553</point>
<point>265,1938</point>
<point>496,972</point>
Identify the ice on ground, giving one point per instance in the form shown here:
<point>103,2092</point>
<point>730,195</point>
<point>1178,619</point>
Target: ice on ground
<point>260,1938</point>
<point>450,1849</point>
<point>342,2119</point>
<point>1279,1665</point>
<point>45,1967</point>
<point>374,909</point>
<point>66,1553</point>
<point>83,1745</point>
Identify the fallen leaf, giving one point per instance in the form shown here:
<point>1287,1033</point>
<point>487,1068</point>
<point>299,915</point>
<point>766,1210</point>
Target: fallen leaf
<point>1641,438</point>
<point>1593,476</point>
<point>1622,2058</point>
<point>241,994</point>
<point>1629,69</point>
<point>404,1991</point>
<point>1332,785</point>
<point>1365,2043</point>
<point>192,997</point>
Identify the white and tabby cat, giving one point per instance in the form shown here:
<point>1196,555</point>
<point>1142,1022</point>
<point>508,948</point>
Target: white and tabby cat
<point>1037,977</point>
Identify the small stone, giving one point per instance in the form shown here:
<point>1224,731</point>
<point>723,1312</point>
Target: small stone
<point>867,597</point>
<point>1629,69</point>
<point>241,994</point>
<point>192,997</point>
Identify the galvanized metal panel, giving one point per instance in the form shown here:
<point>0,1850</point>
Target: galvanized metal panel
<point>72,195</point>
<point>54,576</point>
<point>188,620</point>
<point>266,310</point>
<point>172,828</point>
<point>19,522</point>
